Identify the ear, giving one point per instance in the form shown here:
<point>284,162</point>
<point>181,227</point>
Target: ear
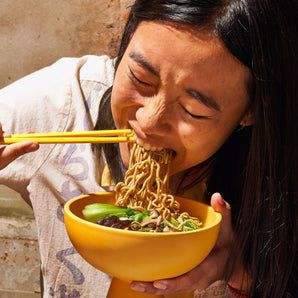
<point>248,119</point>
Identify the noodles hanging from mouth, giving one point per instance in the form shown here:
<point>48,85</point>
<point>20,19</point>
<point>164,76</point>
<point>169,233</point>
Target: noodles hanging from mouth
<point>143,200</point>
<point>146,185</point>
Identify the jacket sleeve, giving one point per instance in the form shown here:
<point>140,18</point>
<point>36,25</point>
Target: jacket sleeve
<point>40,102</point>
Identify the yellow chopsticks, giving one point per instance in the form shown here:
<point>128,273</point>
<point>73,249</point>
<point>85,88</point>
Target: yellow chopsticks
<point>95,136</point>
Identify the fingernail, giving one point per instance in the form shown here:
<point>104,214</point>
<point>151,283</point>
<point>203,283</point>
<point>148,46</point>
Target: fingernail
<point>138,287</point>
<point>160,285</point>
<point>221,202</point>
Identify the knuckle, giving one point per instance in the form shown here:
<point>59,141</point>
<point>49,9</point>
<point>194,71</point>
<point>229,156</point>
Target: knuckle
<point>13,152</point>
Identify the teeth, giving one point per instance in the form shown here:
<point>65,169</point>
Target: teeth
<point>139,142</point>
<point>145,145</point>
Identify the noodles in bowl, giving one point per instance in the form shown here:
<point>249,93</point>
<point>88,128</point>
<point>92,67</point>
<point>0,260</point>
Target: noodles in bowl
<point>142,256</point>
<point>146,188</point>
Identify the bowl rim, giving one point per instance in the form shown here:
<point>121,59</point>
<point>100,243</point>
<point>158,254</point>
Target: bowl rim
<point>218,218</point>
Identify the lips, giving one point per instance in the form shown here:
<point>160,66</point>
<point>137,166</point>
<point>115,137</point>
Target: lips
<point>148,142</point>
<point>147,146</point>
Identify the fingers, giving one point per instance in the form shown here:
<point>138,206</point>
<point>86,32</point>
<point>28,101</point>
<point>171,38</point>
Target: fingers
<point>209,271</point>
<point>219,204</point>
<point>226,230</point>
<point>164,287</point>
<point>11,152</point>
<point>199,278</point>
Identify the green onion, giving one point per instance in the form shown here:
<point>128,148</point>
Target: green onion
<point>174,222</point>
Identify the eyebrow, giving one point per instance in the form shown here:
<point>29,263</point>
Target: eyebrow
<point>206,100</point>
<point>141,60</point>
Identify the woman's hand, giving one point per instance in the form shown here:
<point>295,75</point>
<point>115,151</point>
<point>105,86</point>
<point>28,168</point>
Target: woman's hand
<point>209,271</point>
<point>11,152</point>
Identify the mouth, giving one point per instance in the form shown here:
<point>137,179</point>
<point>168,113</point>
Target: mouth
<point>150,147</point>
<point>145,145</point>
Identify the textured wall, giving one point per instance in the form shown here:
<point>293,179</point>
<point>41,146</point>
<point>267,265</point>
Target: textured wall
<point>35,33</point>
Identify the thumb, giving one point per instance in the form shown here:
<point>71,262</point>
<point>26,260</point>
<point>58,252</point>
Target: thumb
<point>223,207</point>
<point>219,204</point>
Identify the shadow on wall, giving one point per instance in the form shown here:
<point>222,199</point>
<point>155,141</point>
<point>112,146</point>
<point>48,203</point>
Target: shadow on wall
<point>34,33</point>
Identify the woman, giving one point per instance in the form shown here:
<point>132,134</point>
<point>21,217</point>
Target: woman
<point>215,82</point>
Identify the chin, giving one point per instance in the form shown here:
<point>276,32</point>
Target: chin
<point>175,170</point>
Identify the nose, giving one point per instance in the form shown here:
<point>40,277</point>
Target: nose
<point>154,116</point>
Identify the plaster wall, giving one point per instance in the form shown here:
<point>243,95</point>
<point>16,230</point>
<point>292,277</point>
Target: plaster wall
<point>36,33</point>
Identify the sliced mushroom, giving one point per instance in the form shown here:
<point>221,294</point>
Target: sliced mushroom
<point>147,222</point>
<point>154,214</point>
<point>159,220</point>
<point>170,229</point>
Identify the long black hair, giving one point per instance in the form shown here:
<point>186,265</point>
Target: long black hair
<point>256,169</point>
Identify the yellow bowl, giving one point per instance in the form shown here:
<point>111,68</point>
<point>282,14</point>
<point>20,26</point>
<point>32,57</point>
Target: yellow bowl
<point>131,255</point>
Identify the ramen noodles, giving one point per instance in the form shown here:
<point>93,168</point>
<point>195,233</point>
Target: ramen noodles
<point>143,201</point>
<point>146,185</point>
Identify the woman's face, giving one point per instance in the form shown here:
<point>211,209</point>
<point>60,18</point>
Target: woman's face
<point>179,89</point>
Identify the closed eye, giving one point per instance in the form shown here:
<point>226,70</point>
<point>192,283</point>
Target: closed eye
<point>206,100</point>
<point>136,80</point>
<point>192,115</point>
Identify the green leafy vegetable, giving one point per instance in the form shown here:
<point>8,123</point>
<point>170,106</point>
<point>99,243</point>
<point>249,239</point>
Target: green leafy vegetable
<point>98,211</point>
<point>174,222</point>
<point>192,226</point>
<point>139,217</point>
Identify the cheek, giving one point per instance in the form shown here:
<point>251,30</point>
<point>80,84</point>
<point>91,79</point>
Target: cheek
<point>117,91</point>
<point>118,101</point>
<point>122,92</point>
<point>204,142</point>
<point>125,153</point>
